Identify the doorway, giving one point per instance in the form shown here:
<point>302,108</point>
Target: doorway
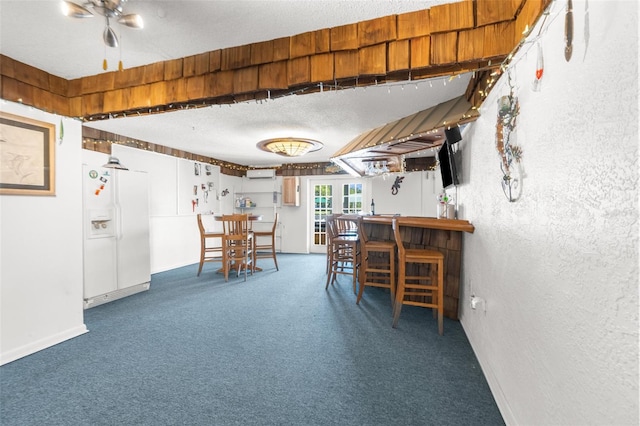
<point>334,196</point>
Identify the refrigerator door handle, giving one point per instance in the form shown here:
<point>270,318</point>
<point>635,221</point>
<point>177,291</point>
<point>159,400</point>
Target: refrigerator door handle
<point>118,222</point>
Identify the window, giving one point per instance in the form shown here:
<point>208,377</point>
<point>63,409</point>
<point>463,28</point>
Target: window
<point>351,198</point>
<point>323,206</point>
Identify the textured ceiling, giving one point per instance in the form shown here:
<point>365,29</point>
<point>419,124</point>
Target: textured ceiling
<point>36,33</point>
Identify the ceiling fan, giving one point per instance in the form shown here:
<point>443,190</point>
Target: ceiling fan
<point>110,9</point>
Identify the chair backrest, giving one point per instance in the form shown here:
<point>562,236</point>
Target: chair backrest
<point>361,233</point>
<point>200,225</point>
<point>275,223</point>
<point>346,225</point>
<point>330,227</point>
<point>235,224</point>
<point>395,224</point>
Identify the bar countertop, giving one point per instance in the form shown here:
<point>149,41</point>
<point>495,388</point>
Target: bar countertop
<point>424,222</point>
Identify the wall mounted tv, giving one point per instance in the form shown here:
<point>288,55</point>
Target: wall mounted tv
<point>448,167</point>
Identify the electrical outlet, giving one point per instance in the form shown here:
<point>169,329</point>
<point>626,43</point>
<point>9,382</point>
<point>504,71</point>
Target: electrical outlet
<point>477,303</point>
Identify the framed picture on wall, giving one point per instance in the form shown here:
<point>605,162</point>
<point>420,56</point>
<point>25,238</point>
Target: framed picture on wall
<point>27,156</point>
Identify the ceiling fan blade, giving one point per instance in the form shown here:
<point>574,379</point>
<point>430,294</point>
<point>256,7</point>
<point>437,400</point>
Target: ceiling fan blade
<point>74,10</point>
<point>132,20</point>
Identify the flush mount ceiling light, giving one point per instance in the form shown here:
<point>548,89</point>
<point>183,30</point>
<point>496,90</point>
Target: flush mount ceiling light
<point>289,147</point>
<point>110,9</point>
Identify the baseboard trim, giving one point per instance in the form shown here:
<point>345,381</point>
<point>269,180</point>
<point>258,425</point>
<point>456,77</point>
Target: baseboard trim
<point>492,381</point>
<point>47,342</point>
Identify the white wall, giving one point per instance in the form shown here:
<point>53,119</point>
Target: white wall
<point>559,268</point>
<point>415,197</point>
<point>174,236</point>
<point>41,252</point>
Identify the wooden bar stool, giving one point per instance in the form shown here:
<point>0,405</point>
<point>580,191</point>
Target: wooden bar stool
<point>418,290</point>
<point>343,252</point>
<point>377,263</point>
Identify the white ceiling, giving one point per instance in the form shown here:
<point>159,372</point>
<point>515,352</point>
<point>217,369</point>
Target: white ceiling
<point>35,32</point>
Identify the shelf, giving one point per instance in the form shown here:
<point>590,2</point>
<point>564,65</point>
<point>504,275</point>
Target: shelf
<point>267,204</point>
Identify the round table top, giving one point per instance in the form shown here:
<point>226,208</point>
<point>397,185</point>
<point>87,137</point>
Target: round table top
<point>252,217</point>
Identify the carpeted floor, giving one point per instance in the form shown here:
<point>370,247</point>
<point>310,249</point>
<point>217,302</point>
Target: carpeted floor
<point>277,349</point>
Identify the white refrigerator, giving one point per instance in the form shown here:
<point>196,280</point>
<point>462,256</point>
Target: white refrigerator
<point>116,234</point>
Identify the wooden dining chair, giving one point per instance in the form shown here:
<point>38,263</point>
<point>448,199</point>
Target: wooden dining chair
<point>377,263</point>
<point>237,244</point>
<point>210,245</point>
<point>265,243</point>
<point>419,288</point>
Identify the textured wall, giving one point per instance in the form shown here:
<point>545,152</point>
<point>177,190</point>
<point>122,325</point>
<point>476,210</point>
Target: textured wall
<point>559,268</point>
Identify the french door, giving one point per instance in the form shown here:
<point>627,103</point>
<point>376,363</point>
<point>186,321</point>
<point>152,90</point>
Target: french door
<point>329,197</point>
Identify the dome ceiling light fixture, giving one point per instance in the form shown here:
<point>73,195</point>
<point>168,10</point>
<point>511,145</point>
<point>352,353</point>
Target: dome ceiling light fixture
<point>110,9</point>
<point>289,147</point>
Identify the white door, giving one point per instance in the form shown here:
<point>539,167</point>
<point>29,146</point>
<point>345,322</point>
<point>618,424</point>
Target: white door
<point>329,196</point>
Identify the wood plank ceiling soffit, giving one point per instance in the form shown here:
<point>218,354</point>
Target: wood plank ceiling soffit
<point>469,36</point>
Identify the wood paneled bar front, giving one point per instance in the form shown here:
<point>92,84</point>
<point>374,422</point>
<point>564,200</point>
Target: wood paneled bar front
<point>444,235</point>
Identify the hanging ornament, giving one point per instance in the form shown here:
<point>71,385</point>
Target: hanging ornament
<point>537,82</point>
<point>568,31</point>
<point>104,61</point>
<point>61,133</point>
<point>120,52</point>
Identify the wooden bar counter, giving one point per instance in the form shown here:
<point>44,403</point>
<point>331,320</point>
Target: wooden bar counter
<point>444,235</point>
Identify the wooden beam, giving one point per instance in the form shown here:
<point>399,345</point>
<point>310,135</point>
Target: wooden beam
<point>452,16</point>
<point>439,41</point>
<point>372,60</point>
<point>376,31</point>
<point>344,37</point>
<point>492,11</point>
<point>414,24</point>
<point>236,57</point>
<point>398,56</point>
<point>322,68</point>
<point>346,64</point>
<point>273,76</point>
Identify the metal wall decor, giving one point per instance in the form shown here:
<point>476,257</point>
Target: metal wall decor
<point>510,153</point>
<point>396,185</point>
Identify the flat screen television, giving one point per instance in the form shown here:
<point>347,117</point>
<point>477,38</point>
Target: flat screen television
<point>448,169</point>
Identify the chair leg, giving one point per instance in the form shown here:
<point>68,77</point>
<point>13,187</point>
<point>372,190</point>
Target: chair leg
<point>273,245</point>
<point>362,276</point>
<point>397,305</point>
<point>440,297</point>
<point>331,276</point>
<point>392,275</point>
<point>200,267</point>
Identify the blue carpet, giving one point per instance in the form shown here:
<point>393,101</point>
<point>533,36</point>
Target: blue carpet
<point>277,349</point>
